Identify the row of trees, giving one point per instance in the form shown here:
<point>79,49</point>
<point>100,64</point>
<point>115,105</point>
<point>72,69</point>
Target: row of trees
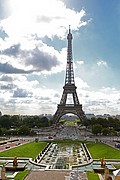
<point>105,126</point>
<point>22,130</point>
<point>7,121</point>
<point>16,125</point>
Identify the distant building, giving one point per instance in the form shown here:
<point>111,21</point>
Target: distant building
<point>103,116</point>
<point>118,116</point>
<point>90,116</point>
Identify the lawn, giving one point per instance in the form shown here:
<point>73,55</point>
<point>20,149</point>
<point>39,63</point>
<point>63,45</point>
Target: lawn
<point>21,175</point>
<point>98,150</point>
<point>92,175</point>
<point>29,150</point>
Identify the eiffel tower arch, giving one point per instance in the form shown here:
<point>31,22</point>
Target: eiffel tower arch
<point>69,90</point>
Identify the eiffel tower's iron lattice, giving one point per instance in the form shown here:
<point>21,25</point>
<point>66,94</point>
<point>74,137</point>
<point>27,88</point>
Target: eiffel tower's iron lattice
<point>69,89</point>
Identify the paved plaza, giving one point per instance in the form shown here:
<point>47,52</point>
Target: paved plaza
<point>56,175</point>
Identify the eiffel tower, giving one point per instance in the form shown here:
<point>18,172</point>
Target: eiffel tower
<point>69,90</point>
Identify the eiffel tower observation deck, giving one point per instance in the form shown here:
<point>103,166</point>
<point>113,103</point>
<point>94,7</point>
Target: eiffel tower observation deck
<point>69,102</point>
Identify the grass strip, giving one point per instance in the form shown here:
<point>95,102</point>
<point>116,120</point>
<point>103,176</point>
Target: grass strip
<point>92,175</point>
<point>98,150</point>
<point>30,150</point>
<point>21,175</point>
<point>117,166</point>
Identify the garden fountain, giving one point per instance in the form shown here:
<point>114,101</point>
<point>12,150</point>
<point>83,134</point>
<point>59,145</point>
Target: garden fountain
<point>59,156</point>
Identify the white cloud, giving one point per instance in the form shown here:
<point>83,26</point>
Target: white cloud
<point>41,17</point>
<point>18,95</point>
<point>102,63</point>
<point>80,83</point>
<point>79,62</point>
<point>103,101</point>
<point>37,58</point>
<point>27,22</point>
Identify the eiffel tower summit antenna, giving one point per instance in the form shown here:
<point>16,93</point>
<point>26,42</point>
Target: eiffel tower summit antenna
<point>69,89</point>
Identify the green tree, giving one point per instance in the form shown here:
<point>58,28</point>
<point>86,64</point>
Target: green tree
<point>1,133</point>
<point>29,121</point>
<point>93,121</point>
<point>106,131</point>
<point>87,122</point>
<point>24,130</point>
<point>96,128</point>
<point>113,132</point>
<point>103,122</point>
<point>12,132</point>
<point>111,122</point>
<point>5,121</point>
<point>43,122</point>
<point>15,121</point>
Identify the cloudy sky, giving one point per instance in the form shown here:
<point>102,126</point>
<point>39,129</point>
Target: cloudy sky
<point>33,54</point>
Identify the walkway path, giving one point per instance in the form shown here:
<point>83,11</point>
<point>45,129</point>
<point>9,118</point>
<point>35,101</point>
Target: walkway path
<point>55,175</point>
<point>47,175</point>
